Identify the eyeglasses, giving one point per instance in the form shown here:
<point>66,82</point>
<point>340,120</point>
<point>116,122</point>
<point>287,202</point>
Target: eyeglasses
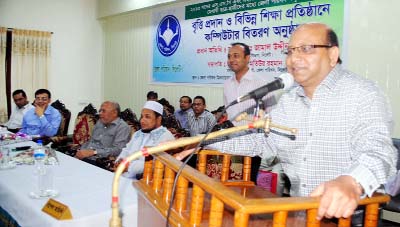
<point>305,49</point>
<point>197,104</point>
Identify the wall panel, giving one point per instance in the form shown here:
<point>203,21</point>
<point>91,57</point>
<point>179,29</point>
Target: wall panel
<point>372,43</point>
<point>127,65</point>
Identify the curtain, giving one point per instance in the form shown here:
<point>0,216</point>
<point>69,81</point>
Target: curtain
<point>30,60</point>
<point>3,97</point>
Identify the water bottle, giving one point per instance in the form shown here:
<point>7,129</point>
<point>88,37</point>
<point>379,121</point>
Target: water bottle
<point>44,174</point>
<point>39,154</point>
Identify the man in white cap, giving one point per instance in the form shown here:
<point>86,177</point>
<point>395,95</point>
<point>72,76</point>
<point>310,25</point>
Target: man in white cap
<point>151,134</point>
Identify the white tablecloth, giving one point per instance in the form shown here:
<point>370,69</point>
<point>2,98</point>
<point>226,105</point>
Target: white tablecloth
<point>84,188</point>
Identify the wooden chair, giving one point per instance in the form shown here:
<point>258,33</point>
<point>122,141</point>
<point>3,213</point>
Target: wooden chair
<point>202,201</point>
<point>62,132</point>
<point>130,118</point>
<point>65,117</point>
<point>173,125</point>
<point>84,124</point>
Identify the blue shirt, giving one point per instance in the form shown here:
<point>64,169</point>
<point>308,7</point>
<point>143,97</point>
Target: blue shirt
<point>45,126</point>
<point>182,117</point>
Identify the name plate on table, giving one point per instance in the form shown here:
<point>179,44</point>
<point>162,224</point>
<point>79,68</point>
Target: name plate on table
<point>57,210</point>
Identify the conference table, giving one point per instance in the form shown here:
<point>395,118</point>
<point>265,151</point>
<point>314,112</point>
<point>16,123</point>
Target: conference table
<point>84,188</point>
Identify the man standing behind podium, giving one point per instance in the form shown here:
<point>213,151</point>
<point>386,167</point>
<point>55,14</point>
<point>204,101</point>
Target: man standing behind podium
<point>43,120</point>
<point>22,106</point>
<point>240,84</point>
<point>343,148</point>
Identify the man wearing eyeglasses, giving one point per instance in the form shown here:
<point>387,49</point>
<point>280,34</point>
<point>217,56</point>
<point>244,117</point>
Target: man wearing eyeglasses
<point>185,104</point>
<point>43,120</point>
<point>343,149</point>
<point>200,120</point>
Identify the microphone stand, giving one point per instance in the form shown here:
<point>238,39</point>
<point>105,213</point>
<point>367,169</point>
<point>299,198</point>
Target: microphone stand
<point>256,112</point>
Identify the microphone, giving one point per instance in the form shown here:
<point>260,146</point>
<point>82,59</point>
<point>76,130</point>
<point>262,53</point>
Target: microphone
<point>284,81</point>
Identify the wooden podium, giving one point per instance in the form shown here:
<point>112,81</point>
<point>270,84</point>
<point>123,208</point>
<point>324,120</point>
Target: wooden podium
<point>202,201</point>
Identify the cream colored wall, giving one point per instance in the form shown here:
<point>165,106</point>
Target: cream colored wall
<point>76,49</point>
<point>372,44</point>
<point>374,47</point>
<point>127,65</point>
<point>108,8</point>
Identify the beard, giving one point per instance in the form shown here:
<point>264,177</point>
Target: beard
<point>148,130</point>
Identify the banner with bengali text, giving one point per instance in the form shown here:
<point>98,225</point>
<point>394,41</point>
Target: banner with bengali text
<point>191,42</point>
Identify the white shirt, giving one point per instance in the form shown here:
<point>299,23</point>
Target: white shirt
<point>233,89</point>
<point>344,129</point>
<point>140,140</point>
<point>17,114</point>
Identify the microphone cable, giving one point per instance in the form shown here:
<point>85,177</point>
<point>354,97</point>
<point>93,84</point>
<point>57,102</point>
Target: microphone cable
<point>178,173</point>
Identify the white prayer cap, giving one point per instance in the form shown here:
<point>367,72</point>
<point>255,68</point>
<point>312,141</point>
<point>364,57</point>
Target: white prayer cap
<point>155,106</point>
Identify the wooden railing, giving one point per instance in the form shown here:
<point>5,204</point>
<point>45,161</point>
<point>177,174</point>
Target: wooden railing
<point>225,168</point>
<point>202,201</point>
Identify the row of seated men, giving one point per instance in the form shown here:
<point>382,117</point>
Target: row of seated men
<point>110,139</point>
<point>38,118</point>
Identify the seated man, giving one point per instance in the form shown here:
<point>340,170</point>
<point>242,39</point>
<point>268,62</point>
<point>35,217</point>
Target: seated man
<point>200,120</point>
<point>185,103</point>
<point>151,134</point>
<point>43,120</point>
<point>152,96</point>
<point>109,136</point>
<point>22,106</point>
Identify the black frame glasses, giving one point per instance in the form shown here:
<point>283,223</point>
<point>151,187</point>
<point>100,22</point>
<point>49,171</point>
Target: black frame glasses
<point>305,49</point>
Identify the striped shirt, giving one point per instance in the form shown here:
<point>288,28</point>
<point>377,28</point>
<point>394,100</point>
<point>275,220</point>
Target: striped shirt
<point>344,130</point>
<point>233,89</point>
<point>200,124</point>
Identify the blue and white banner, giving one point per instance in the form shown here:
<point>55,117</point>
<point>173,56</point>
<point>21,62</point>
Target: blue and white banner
<point>191,42</point>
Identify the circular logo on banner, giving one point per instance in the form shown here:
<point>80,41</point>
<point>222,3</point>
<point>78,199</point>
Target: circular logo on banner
<point>168,35</point>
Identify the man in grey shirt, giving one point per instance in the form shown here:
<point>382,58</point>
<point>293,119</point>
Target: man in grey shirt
<point>110,135</point>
